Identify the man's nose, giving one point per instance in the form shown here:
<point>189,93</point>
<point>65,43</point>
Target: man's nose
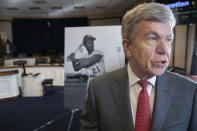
<point>163,47</point>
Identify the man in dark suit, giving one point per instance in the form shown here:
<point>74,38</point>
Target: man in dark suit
<point>143,96</point>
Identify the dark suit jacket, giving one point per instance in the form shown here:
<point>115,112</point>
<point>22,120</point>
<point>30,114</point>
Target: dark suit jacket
<point>108,105</point>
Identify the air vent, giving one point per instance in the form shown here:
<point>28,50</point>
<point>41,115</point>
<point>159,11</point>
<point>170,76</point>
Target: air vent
<point>40,2</point>
<point>56,7</point>
<point>12,8</point>
<point>34,8</point>
<point>79,7</point>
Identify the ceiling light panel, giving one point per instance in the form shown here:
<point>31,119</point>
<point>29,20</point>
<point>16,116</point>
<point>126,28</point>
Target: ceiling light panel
<point>12,9</point>
<point>79,7</point>
<point>56,7</point>
<point>34,8</point>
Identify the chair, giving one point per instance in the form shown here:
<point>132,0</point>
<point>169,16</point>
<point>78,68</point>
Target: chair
<point>52,59</point>
<point>60,61</point>
<point>48,83</point>
<point>42,61</point>
<point>20,62</point>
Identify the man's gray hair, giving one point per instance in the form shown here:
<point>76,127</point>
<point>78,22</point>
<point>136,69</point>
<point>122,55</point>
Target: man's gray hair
<point>148,12</point>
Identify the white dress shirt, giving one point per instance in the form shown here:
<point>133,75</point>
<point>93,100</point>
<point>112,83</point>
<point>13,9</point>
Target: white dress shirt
<point>135,88</point>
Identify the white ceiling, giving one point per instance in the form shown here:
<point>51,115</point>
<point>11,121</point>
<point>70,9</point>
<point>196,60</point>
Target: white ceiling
<point>61,7</point>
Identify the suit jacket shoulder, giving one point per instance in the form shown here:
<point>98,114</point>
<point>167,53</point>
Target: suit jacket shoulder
<point>177,80</point>
<point>175,106</point>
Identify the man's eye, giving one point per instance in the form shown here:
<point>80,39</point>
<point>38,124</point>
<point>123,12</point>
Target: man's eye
<point>169,39</point>
<point>152,38</point>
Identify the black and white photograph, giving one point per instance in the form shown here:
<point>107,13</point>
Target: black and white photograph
<point>89,52</point>
<point>92,51</point>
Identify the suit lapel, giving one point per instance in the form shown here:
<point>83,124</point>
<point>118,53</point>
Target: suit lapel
<point>120,91</point>
<point>162,102</point>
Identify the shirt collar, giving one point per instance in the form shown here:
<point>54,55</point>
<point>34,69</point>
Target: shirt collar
<point>133,79</point>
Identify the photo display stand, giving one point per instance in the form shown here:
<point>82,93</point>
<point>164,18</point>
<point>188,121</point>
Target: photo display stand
<point>75,94</point>
<point>89,52</point>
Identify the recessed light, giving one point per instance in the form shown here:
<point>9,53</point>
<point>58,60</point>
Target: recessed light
<point>12,8</point>
<point>79,7</point>
<point>34,8</point>
<point>56,7</point>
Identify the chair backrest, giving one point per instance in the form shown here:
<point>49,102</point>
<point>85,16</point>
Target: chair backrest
<point>20,62</point>
<point>59,60</point>
<point>42,60</point>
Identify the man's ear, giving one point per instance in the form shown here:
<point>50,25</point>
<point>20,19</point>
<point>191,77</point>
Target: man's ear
<point>127,48</point>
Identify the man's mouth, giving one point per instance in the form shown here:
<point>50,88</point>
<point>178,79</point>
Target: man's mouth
<point>162,63</point>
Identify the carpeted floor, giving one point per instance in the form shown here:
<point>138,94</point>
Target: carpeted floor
<point>36,113</point>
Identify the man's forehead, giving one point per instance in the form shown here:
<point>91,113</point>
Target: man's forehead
<point>155,28</point>
<point>157,34</point>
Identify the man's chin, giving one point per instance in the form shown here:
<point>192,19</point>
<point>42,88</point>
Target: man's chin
<point>158,73</point>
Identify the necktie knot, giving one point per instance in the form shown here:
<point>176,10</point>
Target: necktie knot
<point>143,83</point>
